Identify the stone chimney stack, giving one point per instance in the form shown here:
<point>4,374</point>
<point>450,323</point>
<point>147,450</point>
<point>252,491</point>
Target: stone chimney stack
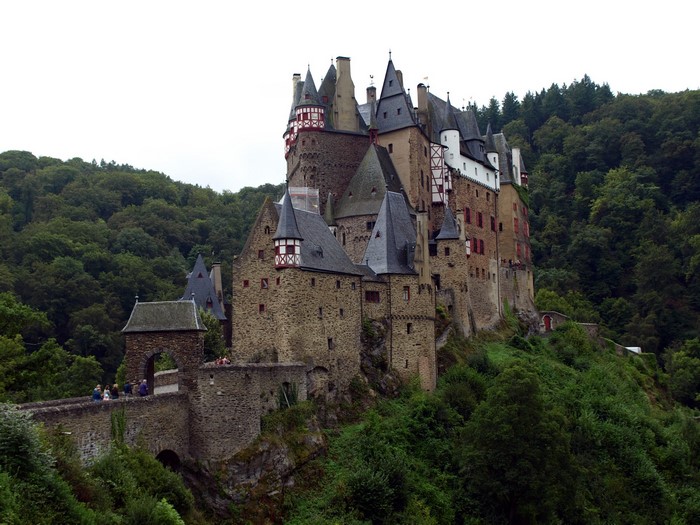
<point>371,94</point>
<point>344,103</point>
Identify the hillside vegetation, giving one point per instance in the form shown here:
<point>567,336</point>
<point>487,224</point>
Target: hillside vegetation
<point>520,430</point>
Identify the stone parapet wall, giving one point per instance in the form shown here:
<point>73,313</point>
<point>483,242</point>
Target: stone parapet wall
<point>155,422</point>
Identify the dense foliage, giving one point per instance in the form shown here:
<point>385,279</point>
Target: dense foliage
<point>614,201</point>
<point>43,482</point>
<point>524,431</point>
<point>79,241</point>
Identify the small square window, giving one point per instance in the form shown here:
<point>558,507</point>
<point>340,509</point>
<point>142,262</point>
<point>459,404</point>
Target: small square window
<point>409,328</point>
<point>264,283</point>
<point>261,308</point>
<point>246,283</point>
<point>447,251</point>
<point>261,254</point>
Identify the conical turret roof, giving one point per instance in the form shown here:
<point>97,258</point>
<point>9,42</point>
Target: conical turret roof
<point>449,228</point>
<point>287,226</point>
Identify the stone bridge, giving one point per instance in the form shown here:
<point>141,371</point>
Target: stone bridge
<point>208,413</point>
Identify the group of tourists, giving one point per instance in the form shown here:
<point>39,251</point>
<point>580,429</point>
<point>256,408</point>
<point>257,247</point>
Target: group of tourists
<point>112,392</point>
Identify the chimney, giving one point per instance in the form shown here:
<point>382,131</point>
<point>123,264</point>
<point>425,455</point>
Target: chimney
<point>371,94</point>
<point>399,76</point>
<point>296,77</point>
<point>344,104</point>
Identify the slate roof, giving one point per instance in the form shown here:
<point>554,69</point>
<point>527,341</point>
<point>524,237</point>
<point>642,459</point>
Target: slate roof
<point>320,250</point>
<point>201,288</point>
<point>394,110</point>
<point>489,143</point>
<point>391,248</point>
<point>505,159</point>
<point>287,227</point>
<point>164,316</point>
<point>449,228</point>
<point>365,192</point>
<point>309,95</point>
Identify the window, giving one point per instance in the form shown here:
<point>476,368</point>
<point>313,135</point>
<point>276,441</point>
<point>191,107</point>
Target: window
<point>267,230</point>
<point>313,281</point>
<point>425,151</point>
<point>432,249</point>
<point>488,195</point>
<point>352,286</point>
<point>261,308</point>
<point>337,284</point>
<point>516,229</point>
<point>371,296</point>
<point>477,192</point>
<point>277,281</point>
<point>468,215</point>
<point>330,343</point>
<point>341,313</point>
<point>493,223</point>
<point>422,179</point>
<point>261,254</point>
<point>481,246</point>
<point>518,249</point>
<point>409,327</point>
<point>447,251</point>
<point>343,238</point>
<point>515,207</point>
<point>320,312</point>
<point>391,148</point>
<point>246,283</point>
<point>406,293</point>
<point>264,283</point>
<point>384,114</point>
<point>370,225</point>
<point>398,111</point>
<point>480,220</point>
<point>500,226</point>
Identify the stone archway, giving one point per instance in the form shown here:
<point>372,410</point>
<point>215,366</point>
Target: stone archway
<point>169,459</point>
<point>172,327</point>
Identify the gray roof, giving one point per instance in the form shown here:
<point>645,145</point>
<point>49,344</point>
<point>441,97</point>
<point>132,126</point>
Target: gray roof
<point>287,225</point>
<point>201,288</point>
<point>449,228</point>
<point>365,192</point>
<point>320,250</point>
<point>309,95</point>
<point>505,158</point>
<point>488,141</point>
<point>164,316</point>
<point>391,248</point>
<point>394,110</point>
<point>449,121</point>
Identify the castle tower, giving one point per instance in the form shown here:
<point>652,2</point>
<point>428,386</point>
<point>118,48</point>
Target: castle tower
<point>310,111</point>
<point>287,237</point>
<point>449,135</point>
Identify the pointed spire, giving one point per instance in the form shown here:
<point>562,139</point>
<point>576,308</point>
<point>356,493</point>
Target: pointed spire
<point>490,142</point>
<point>449,228</point>
<point>287,226</point>
<point>472,131</point>
<point>449,120</point>
<point>329,214</point>
<point>309,95</point>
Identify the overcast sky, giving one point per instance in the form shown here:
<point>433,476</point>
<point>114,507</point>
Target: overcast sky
<point>201,90</point>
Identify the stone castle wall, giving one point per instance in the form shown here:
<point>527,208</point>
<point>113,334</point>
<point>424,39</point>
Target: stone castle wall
<point>326,161</point>
<point>156,423</point>
<point>230,400</point>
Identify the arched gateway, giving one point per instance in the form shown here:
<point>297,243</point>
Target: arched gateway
<point>171,327</point>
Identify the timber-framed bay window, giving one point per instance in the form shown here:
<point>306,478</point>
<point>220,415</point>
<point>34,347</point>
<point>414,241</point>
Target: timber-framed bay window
<point>287,252</point>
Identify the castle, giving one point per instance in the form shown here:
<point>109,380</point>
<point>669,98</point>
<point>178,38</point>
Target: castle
<point>392,212</point>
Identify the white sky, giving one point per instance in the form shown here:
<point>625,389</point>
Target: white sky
<point>201,90</point>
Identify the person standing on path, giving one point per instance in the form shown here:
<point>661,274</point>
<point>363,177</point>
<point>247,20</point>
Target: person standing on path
<point>143,388</point>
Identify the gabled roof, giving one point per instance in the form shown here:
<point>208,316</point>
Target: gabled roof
<point>374,176</point>
<point>200,288</point>
<point>287,225</point>
<point>391,248</point>
<point>164,316</point>
<point>449,228</point>
<point>320,250</point>
<point>394,110</point>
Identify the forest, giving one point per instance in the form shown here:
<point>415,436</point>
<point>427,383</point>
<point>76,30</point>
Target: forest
<point>614,200</point>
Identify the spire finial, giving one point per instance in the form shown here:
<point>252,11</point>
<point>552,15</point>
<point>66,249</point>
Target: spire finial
<point>389,54</point>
